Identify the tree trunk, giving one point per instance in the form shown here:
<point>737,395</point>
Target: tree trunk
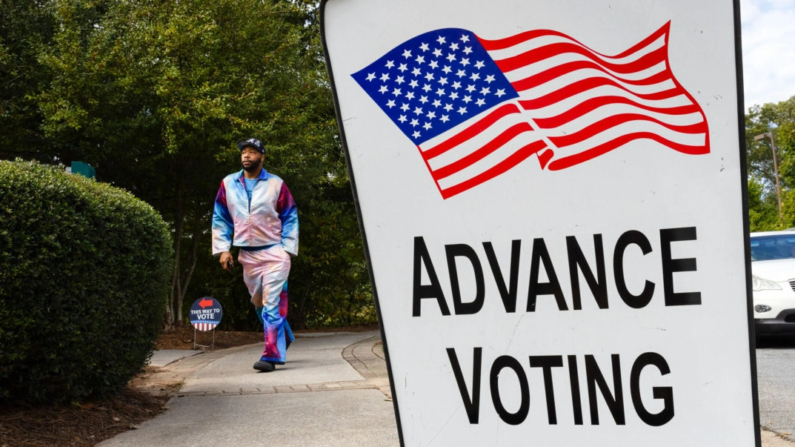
<point>176,289</point>
<point>192,262</point>
<point>302,304</point>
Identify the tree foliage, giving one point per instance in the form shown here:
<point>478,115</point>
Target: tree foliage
<point>155,94</point>
<point>779,121</point>
<point>26,26</point>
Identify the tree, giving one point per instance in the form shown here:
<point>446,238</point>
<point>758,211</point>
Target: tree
<point>154,94</point>
<point>26,26</point>
<point>762,208</point>
<point>779,120</point>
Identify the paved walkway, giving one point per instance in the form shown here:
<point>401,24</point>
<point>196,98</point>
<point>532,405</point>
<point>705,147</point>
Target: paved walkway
<point>777,388</point>
<point>334,391</point>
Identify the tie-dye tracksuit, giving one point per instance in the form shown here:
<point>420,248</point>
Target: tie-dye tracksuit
<point>266,230</point>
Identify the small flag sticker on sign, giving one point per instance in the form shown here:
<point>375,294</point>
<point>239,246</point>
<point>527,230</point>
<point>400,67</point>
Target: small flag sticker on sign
<point>477,108</point>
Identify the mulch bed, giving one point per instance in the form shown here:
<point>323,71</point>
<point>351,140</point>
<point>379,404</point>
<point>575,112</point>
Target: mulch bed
<point>89,423</point>
<point>76,425</point>
<point>182,338</point>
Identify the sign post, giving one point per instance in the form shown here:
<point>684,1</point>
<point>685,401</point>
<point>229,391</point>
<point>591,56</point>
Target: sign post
<point>205,315</point>
<point>552,199</point>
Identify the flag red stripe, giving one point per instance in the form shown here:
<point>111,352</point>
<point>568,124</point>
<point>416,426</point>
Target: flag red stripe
<point>615,120</point>
<point>564,69</point>
<point>539,54</point>
<point>575,159</point>
<point>663,31</point>
<point>501,168</point>
<point>501,44</point>
<point>594,103</point>
<point>589,84</point>
<point>483,151</point>
<point>471,131</point>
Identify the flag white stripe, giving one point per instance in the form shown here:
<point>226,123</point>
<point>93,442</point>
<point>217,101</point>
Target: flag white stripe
<point>529,45</point>
<point>607,90</point>
<point>474,144</point>
<point>565,58</point>
<point>489,161</point>
<point>542,41</point>
<point>615,109</point>
<point>579,75</point>
<point>631,127</point>
<point>444,136</point>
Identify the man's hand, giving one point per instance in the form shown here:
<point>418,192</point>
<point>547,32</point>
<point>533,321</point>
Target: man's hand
<point>226,261</point>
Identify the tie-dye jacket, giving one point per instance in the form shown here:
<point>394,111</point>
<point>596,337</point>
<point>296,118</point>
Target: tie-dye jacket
<point>270,217</point>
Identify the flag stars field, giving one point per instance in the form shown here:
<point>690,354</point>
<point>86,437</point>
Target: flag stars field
<point>426,65</point>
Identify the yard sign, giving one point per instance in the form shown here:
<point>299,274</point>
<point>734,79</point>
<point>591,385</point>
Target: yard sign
<point>552,198</point>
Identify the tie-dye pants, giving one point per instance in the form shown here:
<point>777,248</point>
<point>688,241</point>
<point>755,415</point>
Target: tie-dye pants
<point>265,273</point>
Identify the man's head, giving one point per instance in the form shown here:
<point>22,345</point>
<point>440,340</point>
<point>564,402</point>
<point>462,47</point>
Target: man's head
<point>251,154</point>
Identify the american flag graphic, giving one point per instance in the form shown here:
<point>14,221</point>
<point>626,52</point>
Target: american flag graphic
<point>477,108</point>
<point>204,326</point>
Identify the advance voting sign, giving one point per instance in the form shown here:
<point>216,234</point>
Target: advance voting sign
<point>551,193</point>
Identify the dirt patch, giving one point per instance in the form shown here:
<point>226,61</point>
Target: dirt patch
<point>76,425</point>
<point>157,382</point>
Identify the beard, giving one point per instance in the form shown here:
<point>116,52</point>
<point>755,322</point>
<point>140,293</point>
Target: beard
<point>253,167</point>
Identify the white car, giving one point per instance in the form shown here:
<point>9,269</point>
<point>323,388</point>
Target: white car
<point>773,269</point>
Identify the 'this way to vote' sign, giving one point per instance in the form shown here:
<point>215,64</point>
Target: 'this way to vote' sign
<point>206,313</point>
<point>551,194</point>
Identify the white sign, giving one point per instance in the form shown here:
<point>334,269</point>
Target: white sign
<point>551,193</point>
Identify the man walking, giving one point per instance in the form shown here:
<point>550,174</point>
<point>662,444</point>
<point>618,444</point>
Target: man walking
<point>255,211</point>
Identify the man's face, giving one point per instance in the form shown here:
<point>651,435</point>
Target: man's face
<point>251,159</point>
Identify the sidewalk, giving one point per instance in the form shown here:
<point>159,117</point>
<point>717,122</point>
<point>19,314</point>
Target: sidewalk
<point>334,391</point>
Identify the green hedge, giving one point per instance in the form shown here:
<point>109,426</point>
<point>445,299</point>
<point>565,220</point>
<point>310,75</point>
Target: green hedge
<point>84,272</point>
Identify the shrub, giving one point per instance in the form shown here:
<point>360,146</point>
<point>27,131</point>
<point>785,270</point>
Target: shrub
<point>84,272</point>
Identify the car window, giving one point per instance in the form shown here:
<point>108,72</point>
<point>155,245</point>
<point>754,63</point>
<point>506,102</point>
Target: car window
<point>768,248</point>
